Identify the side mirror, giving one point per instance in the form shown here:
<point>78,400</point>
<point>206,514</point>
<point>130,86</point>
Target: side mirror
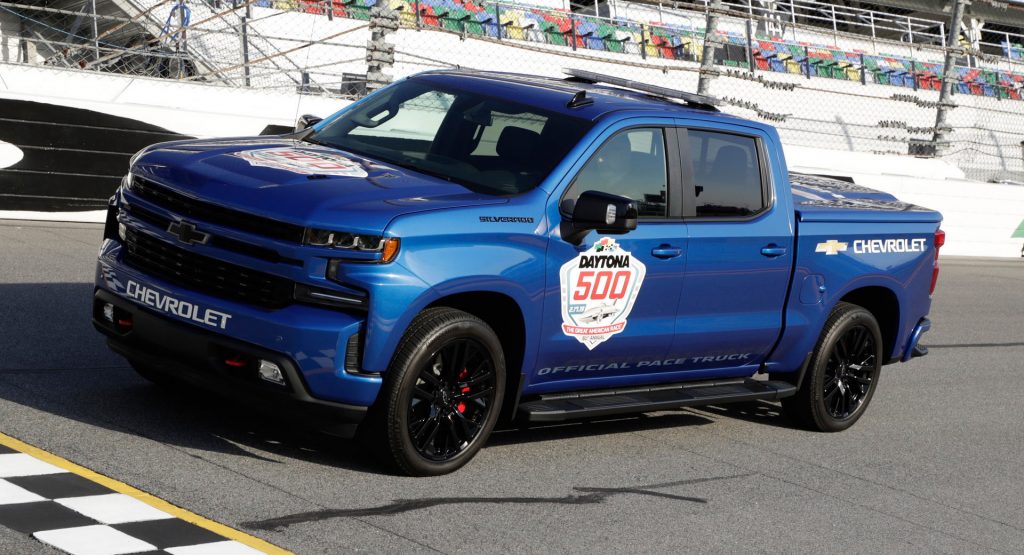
<point>604,212</point>
<point>306,121</point>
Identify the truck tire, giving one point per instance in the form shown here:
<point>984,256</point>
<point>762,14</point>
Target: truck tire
<point>442,393</point>
<point>843,372</point>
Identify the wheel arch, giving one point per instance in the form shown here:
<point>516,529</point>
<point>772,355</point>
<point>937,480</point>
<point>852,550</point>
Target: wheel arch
<point>505,316</point>
<point>883,303</point>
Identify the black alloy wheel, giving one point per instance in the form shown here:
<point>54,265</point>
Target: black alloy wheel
<point>849,373</point>
<point>842,374</point>
<point>441,396</point>
<point>451,399</point>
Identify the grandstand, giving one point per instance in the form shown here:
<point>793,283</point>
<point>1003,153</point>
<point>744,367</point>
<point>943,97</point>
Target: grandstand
<point>842,75</point>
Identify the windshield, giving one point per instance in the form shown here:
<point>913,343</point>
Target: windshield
<point>488,144</point>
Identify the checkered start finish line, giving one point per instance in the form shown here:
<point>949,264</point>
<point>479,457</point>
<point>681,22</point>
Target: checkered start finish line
<point>62,508</point>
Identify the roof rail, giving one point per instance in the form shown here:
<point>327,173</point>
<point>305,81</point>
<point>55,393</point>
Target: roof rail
<point>691,99</point>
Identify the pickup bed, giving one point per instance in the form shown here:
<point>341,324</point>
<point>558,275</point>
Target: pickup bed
<point>461,246</point>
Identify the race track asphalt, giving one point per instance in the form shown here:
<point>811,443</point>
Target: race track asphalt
<point>934,466</point>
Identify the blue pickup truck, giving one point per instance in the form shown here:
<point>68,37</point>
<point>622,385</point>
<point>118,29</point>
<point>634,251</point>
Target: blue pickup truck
<point>462,246</point>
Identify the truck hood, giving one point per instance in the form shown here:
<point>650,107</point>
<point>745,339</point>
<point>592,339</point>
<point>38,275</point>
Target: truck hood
<point>817,198</point>
<point>300,183</point>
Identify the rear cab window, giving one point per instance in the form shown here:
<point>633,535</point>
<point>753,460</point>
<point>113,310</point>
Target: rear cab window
<point>728,178</point>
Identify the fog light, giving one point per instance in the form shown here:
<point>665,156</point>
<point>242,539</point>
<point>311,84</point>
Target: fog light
<point>108,312</point>
<point>236,361</point>
<point>271,372</point>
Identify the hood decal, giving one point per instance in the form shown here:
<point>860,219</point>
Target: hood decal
<point>303,160</point>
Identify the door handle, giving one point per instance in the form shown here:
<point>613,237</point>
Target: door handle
<point>771,251</point>
<point>666,251</point>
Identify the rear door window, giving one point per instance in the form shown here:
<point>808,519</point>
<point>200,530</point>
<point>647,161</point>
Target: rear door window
<point>726,173</point>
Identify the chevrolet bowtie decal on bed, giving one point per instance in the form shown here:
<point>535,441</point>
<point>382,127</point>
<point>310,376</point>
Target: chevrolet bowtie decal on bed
<point>831,247</point>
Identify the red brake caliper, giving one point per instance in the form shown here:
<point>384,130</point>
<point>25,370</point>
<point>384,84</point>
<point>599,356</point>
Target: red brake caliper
<point>461,407</point>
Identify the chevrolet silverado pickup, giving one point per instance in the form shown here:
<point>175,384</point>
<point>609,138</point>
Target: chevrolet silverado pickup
<point>463,245</point>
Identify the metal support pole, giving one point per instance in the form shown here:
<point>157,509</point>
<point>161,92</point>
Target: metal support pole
<point>940,138</point>
<point>835,28</point>
<point>707,62</point>
<point>863,71</point>
<point>750,46</point>
<point>572,27</point>
<point>792,18</point>
<point>95,31</point>
<point>643,41</point>
<point>417,8</point>
<point>497,18</point>
<point>807,62</point>
<point>245,46</point>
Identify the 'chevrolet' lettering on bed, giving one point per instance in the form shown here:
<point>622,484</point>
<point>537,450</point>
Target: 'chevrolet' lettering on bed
<point>883,246</point>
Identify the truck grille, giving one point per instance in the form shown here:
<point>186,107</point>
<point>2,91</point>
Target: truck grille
<point>203,211</point>
<point>204,274</point>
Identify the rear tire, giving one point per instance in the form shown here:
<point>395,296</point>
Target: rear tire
<point>442,393</point>
<point>843,372</point>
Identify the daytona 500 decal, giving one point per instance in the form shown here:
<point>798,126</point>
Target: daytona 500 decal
<point>303,160</point>
<point>598,290</point>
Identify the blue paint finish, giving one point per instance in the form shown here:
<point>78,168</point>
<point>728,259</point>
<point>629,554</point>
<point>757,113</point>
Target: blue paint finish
<point>722,308</point>
<point>314,338</point>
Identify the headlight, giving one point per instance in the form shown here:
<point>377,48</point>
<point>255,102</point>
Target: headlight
<point>127,181</point>
<point>387,246</point>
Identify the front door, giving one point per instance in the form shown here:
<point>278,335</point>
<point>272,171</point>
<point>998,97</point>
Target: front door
<point>609,308</point>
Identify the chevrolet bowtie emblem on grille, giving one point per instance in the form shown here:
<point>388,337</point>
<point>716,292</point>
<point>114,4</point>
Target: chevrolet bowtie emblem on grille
<point>831,247</point>
<point>186,233</point>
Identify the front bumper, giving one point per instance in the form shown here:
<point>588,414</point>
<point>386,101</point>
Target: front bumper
<point>176,327</point>
<point>197,358</point>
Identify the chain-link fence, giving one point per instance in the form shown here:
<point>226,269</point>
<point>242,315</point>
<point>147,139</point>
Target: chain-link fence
<point>870,84</point>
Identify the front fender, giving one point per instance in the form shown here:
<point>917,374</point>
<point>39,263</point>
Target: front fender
<point>471,255</point>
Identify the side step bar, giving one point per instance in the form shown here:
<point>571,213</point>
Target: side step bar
<point>557,407</point>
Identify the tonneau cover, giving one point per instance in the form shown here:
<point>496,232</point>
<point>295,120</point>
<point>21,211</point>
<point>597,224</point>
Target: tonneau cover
<point>824,199</point>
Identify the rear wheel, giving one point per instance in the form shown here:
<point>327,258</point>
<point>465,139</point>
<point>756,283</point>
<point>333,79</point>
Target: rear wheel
<point>442,393</point>
<point>843,372</point>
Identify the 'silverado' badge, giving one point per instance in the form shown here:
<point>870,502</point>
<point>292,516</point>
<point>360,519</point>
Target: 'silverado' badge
<point>598,290</point>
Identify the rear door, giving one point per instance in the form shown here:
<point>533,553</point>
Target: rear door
<point>610,304</point>
<point>739,255</point>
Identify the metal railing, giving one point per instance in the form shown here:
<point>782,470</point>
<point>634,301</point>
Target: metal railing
<point>837,87</point>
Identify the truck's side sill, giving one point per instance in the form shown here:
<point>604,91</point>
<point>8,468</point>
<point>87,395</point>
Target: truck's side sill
<point>589,404</point>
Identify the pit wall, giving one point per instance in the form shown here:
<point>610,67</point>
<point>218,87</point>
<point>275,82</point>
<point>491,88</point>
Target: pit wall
<point>979,218</point>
